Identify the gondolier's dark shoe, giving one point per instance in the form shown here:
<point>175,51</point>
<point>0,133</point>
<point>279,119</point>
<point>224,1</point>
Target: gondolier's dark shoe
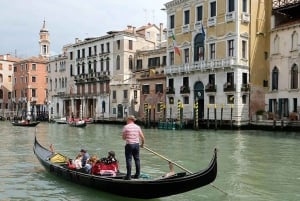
<point>136,176</point>
<point>127,178</point>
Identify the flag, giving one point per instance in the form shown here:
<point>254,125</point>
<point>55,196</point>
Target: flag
<point>203,32</point>
<point>176,48</point>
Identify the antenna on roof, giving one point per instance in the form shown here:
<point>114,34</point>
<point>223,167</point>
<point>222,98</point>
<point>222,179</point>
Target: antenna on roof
<point>145,10</point>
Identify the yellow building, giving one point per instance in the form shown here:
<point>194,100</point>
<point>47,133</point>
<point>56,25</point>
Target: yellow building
<point>223,47</point>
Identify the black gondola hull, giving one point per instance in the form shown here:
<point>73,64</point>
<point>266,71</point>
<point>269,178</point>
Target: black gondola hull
<point>140,188</point>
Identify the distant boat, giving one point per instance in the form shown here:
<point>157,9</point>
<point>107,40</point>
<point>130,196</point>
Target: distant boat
<point>62,120</point>
<point>89,120</point>
<point>79,123</point>
<point>25,123</point>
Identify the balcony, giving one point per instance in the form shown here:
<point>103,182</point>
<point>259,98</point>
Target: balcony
<point>170,90</point>
<point>245,87</point>
<point>211,88</point>
<point>229,87</point>
<point>185,90</point>
<point>245,18</point>
<point>230,17</point>
<point>185,28</point>
<point>203,65</point>
<point>212,21</point>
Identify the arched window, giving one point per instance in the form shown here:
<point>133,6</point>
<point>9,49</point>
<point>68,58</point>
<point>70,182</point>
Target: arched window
<point>90,67</point>
<point>294,40</point>
<point>275,73</point>
<point>276,44</point>
<point>78,69</point>
<point>294,77</point>
<point>118,62</point>
<point>199,48</point>
<point>83,68</point>
<point>130,62</point>
<point>103,106</point>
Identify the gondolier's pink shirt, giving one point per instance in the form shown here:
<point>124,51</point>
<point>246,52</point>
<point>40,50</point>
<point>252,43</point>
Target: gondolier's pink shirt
<point>131,133</point>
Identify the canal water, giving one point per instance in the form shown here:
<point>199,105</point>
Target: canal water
<point>252,165</point>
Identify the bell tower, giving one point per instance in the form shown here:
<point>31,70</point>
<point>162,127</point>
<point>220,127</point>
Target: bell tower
<point>44,41</point>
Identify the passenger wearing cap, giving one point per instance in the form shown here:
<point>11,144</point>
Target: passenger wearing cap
<point>134,137</point>
<point>85,157</point>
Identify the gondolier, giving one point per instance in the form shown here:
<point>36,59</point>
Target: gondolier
<point>134,138</point>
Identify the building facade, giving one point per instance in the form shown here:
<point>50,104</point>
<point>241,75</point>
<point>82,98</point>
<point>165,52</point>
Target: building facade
<point>6,80</point>
<point>282,99</point>
<point>210,57</point>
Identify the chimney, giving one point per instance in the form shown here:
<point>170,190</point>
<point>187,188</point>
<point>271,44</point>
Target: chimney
<point>161,31</point>
<point>129,27</point>
<point>133,30</point>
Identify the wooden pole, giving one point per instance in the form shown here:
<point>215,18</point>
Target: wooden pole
<point>163,157</point>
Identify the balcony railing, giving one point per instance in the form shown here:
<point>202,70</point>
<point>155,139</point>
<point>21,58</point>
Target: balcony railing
<point>170,90</point>
<point>204,65</point>
<point>185,90</point>
<point>211,88</point>
<point>229,87</point>
<point>245,87</point>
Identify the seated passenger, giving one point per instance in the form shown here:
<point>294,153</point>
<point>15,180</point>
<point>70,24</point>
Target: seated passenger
<point>106,166</point>
<point>90,164</point>
<point>78,162</point>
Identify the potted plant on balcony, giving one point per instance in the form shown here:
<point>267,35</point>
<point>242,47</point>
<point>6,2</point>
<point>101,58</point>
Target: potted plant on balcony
<point>259,114</point>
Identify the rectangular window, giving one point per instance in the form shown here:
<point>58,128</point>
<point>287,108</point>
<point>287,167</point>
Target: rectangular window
<point>33,91</point>
<point>159,88</point>
<point>199,13</point>
<point>71,55</point>
<point>95,50</point>
<point>107,47</point>
<point>230,79</point>
<point>211,79</point>
<point>125,94</point>
<point>139,64</point>
<point>102,48</point>
<point>33,79</point>
<point>244,49</point>
<point>90,51</point>
<point>83,53</point>
<point>172,21</point>
<point>230,99</point>
<point>230,48</point>
<point>244,6</point>
<point>171,58</point>
<point>244,78</point>
<point>186,100</point>
<point>114,95</point>
<point>213,9</point>
<point>186,17</point>
<point>118,44</point>
<point>244,99</point>
<point>211,99</point>
<point>212,49</point>
<point>185,81</point>
<point>230,5</point>
<point>171,83</point>
<point>130,45</point>
<point>33,67</point>
<point>164,62</point>
<point>186,55</point>
<point>145,89</point>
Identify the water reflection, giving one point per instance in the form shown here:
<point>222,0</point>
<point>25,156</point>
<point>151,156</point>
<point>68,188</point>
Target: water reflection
<point>253,165</point>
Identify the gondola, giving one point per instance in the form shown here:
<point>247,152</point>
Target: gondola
<point>146,188</point>
<point>25,123</point>
<point>80,123</point>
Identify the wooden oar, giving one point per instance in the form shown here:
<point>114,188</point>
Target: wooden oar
<point>157,154</point>
<point>165,158</point>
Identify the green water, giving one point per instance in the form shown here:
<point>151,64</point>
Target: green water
<point>253,165</point>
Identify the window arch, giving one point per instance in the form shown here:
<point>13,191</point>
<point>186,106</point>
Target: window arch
<point>199,47</point>
<point>275,74</point>
<point>276,44</point>
<point>130,62</point>
<point>118,62</point>
<point>294,77</point>
<point>294,40</point>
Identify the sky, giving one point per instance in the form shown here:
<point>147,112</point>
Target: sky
<point>21,21</point>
